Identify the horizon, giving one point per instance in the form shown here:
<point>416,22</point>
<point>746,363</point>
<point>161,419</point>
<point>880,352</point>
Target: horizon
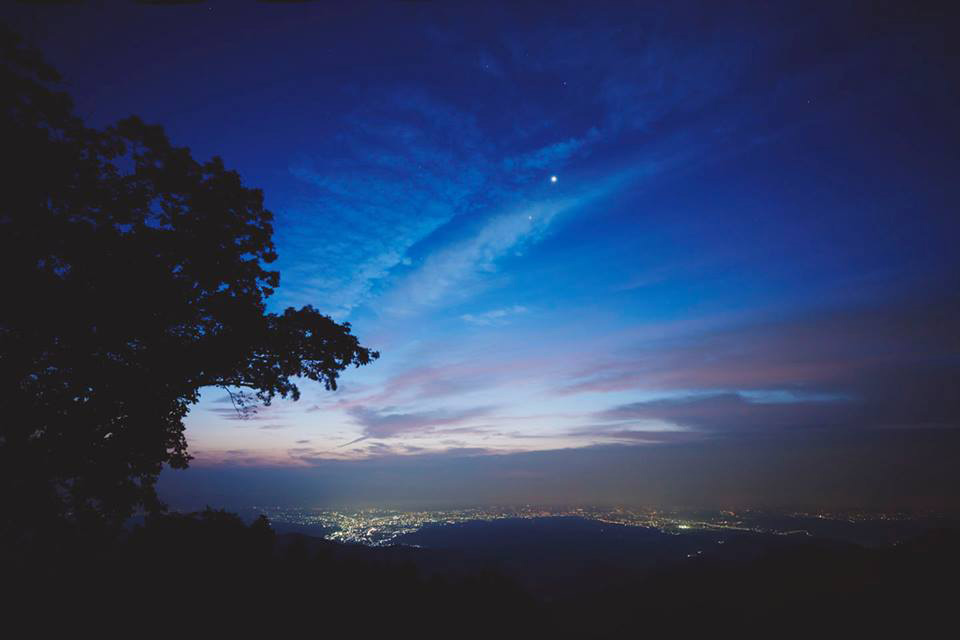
<point>641,255</point>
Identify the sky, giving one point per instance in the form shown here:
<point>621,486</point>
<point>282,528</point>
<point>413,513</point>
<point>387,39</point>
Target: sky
<point>640,253</point>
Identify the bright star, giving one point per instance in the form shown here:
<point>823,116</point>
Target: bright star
<point>553,178</point>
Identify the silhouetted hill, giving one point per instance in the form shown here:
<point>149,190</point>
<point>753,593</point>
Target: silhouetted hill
<point>570,556</point>
<point>528,578</point>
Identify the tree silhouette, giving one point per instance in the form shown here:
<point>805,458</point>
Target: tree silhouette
<point>135,275</point>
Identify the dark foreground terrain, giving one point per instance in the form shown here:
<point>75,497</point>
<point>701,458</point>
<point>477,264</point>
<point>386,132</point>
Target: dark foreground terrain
<point>212,573</point>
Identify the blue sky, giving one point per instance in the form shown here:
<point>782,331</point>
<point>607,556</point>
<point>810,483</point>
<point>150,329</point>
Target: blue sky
<point>751,234</point>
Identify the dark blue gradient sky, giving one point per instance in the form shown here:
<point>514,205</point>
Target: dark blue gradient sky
<point>740,288</point>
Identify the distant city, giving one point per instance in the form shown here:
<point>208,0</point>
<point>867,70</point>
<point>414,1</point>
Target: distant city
<point>384,527</point>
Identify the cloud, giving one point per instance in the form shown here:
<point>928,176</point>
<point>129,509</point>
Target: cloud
<point>306,455</point>
<point>430,382</point>
<point>451,272</point>
<point>494,316</point>
<point>386,423</point>
<point>879,365</point>
<point>884,469</point>
<point>408,171</point>
<point>735,412</point>
<point>354,441</point>
<point>551,156</point>
<point>391,179</point>
<point>409,166</point>
<point>455,271</point>
<point>814,350</point>
<point>643,436</point>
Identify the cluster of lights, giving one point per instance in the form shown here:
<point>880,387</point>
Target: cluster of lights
<point>382,527</point>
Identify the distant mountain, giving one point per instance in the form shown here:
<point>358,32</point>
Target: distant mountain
<point>568,556</point>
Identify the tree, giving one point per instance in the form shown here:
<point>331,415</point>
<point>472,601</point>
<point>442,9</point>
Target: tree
<point>135,275</point>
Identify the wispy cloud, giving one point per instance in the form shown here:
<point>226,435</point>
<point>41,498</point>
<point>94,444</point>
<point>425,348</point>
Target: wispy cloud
<point>388,423</point>
<point>735,412</point>
<point>877,366</point>
<point>494,316</point>
<point>392,182</point>
<point>409,171</point>
<point>831,350</point>
<point>551,156</point>
<point>457,270</point>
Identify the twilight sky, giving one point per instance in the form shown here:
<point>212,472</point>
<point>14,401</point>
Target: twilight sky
<point>674,253</point>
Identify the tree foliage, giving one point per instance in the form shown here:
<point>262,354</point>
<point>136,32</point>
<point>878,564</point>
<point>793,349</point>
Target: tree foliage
<point>135,276</point>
